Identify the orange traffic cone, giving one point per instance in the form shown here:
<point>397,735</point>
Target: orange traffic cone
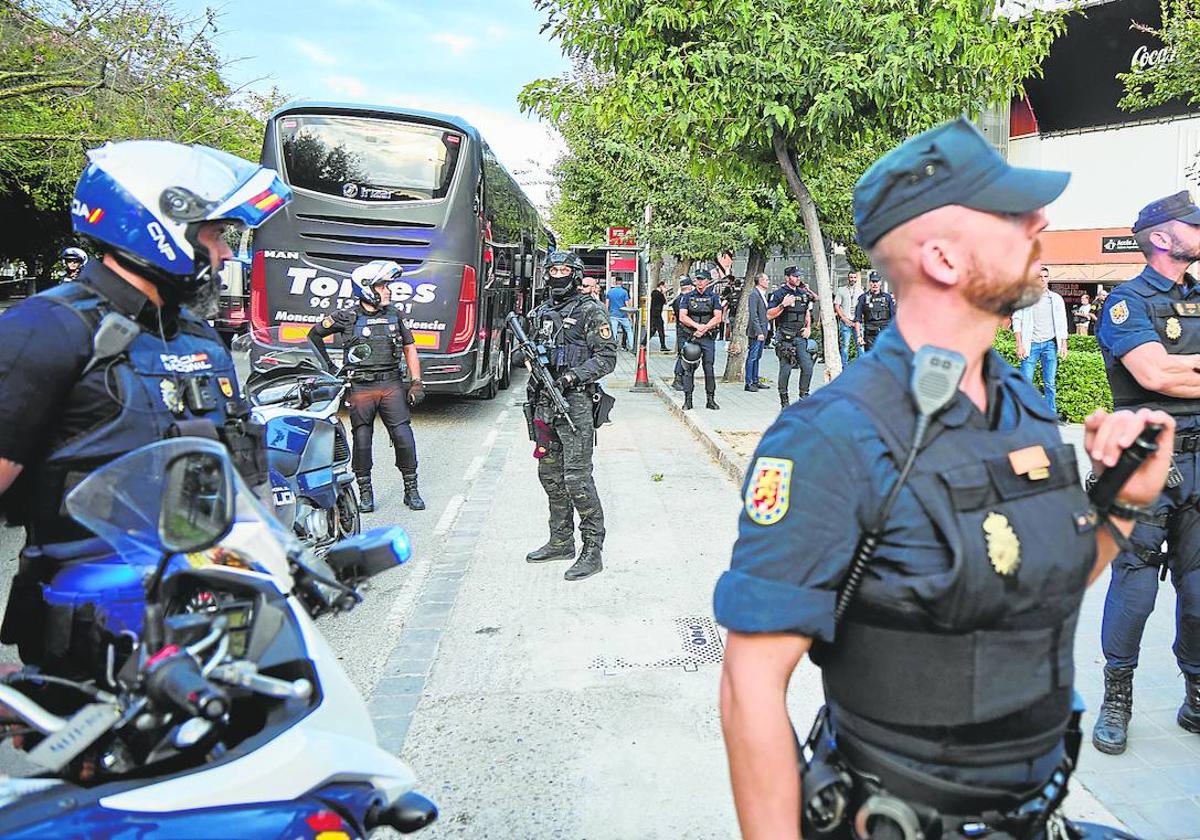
<point>641,382</point>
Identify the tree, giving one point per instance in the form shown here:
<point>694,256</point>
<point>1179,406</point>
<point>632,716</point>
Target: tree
<point>1176,74</point>
<point>800,83</point>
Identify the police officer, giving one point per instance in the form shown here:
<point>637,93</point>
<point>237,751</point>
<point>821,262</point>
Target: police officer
<point>1149,334</point>
<point>700,313</point>
<point>874,312</point>
<point>94,369</point>
<point>948,680</point>
<point>574,330</point>
<point>686,285</point>
<point>375,332</point>
<point>73,260</point>
<point>790,307</point>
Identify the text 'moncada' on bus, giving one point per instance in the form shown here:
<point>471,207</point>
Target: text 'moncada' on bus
<point>422,189</point>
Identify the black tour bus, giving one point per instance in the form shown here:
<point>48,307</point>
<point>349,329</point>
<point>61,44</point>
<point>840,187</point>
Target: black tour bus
<point>422,189</point>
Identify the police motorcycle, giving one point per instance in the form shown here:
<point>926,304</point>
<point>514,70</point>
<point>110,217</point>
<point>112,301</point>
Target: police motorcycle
<point>229,715</point>
<point>293,393</point>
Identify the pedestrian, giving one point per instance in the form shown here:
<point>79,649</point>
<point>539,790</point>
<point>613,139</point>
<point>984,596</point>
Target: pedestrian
<point>1098,308</point>
<point>686,285</point>
<point>948,672</point>
<point>845,303</point>
<point>874,311</point>
<point>71,403</point>
<point>700,312</point>
<point>730,298</point>
<point>756,330</point>
<point>658,300</point>
<point>73,260</point>
<point>591,288</point>
<point>618,299</point>
<point>1041,334</point>
<point>1083,315</point>
<point>579,343</point>
<point>790,307</point>
<point>378,384</point>
<point>1149,337</point>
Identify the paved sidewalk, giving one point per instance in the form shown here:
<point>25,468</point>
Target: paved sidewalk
<point>1154,788</point>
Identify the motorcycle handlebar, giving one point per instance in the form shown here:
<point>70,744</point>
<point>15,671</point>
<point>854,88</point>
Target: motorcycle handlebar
<point>177,681</point>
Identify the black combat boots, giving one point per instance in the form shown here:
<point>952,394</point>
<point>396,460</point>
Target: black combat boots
<point>366,494</point>
<point>677,384</point>
<point>1112,723</point>
<point>784,402</point>
<point>1189,712</point>
<point>687,402</point>
<point>552,550</point>
<point>412,496</point>
<point>587,564</point>
<point>711,402</point>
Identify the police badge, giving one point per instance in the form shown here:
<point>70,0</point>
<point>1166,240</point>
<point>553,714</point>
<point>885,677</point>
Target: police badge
<point>1174,329</point>
<point>1003,547</point>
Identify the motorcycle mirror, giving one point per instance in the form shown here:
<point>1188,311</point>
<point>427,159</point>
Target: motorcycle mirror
<point>197,505</point>
<point>369,553</point>
<point>358,354</point>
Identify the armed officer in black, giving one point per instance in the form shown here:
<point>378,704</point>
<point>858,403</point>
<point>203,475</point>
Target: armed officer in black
<point>874,312</point>
<point>573,328</point>
<point>700,315</point>
<point>377,337</point>
<point>791,308</point>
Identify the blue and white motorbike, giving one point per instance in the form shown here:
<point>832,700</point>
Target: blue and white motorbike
<point>294,394</point>
<point>230,715</point>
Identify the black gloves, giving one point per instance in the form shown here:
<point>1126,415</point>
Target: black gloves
<point>416,392</point>
<point>567,381</point>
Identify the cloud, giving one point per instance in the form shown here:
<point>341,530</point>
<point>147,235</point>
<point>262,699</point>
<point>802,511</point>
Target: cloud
<point>458,44</point>
<point>347,86</point>
<point>314,53</point>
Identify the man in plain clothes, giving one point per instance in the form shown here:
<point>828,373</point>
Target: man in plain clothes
<point>658,300</point>
<point>844,305</point>
<point>757,324</point>
<point>618,299</point>
<point>1041,332</point>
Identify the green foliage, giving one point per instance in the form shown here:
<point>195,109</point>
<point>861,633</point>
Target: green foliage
<point>77,73</point>
<point>1178,78</point>
<point>1081,383</point>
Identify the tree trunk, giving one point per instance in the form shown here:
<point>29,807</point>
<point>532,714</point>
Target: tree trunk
<point>682,269</point>
<point>816,244</point>
<point>656,267</point>
<point>735,364</point>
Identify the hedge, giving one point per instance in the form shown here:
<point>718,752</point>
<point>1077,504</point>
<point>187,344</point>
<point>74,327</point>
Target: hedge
<point>1081,382</point>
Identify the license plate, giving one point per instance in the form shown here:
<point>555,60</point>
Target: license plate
<point>81,731</point>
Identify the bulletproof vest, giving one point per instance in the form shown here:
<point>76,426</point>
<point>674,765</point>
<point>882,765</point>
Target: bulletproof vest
<point>999,623</point>
<point>793,317</point>
<point>380,331</point>
<point>700,307</point>
<point>158,387</point>
<point>876,311</point>
<point>562,331</point>
<point>1178,326</point>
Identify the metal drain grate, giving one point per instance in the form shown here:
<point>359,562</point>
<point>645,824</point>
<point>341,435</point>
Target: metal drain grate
<point>697,643</point>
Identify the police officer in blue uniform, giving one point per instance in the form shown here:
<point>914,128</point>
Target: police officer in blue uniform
<point>376,333</point>
<point>700,313</point>
<point>686,286</point>
<point>948,679</point>
<point>874,311</point>
<point>790,306</point>
<point>1149,333</point>
<point>121,358</point>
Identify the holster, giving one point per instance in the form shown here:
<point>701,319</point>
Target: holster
<point>602,406</point>
<point>528,410</point>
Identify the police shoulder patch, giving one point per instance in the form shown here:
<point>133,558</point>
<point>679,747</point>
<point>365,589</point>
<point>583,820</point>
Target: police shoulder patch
<point>768,491</point>
<point>606,331</point>
<point>327,321</point>
<point>1118,313</point>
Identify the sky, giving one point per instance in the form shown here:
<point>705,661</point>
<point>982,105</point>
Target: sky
<point>469,58</point>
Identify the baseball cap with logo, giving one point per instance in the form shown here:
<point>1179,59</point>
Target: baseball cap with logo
<point>1179,207</point>
<point>950,164</point>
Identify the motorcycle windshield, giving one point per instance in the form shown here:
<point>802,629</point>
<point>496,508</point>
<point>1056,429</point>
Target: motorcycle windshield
<point>272,350</point>
<point>121,502</point>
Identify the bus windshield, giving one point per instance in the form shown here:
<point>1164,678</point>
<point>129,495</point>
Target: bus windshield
<point>368,159</point>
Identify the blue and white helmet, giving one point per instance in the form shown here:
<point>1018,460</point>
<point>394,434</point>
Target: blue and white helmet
<point>74,254</point>
<point>375,273</point>
<point>144,201</point>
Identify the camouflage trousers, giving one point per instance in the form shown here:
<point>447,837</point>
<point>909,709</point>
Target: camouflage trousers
<point>566,475</point>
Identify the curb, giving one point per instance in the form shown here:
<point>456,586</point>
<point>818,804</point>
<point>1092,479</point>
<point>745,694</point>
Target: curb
<point>721,452</point>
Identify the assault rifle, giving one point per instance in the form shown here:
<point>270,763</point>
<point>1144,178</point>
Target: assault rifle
<point>537,366</point>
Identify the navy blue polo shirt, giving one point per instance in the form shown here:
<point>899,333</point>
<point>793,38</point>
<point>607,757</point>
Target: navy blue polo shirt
<point>794,548</point>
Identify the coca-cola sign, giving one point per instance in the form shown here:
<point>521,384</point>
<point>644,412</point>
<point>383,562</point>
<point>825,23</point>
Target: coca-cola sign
<point>1145,57</point>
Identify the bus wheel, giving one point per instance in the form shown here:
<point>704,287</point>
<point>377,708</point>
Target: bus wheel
<point>488,391</point>
<point>505,373</point>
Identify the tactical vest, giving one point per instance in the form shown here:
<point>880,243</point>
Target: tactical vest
<point>379,331</point>
<point>700,307</point>
<point>562,331</point>
<point>972,665</point>
<point>1178,326</point>
<point>792,318</point>
<point>157,387</point>
<point>876,312</point>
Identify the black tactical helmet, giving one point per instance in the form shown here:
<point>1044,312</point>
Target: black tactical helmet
<point>691,353</point>
<point>561,287</point>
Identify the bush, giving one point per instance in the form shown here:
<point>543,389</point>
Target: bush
<point>1081,381</point>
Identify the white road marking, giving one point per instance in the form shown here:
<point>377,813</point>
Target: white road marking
<point>473,468</point>
<point>490,440</point>
<point>449,515</point>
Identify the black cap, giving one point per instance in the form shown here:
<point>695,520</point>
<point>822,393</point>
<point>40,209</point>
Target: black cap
<point>792,271</point>
<point>1178,207</point>
<point>686,281</point>
<point>874,277</point>
<point>951,164</point>
<point>703,274</point>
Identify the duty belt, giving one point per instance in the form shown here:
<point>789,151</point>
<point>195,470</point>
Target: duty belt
<point>1187,441</point>
<point>366,376</point>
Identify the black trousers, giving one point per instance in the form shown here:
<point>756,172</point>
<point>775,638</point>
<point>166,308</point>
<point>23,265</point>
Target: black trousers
<point>658,327</point>
<point>708,349</point>
<point>388,399</point>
